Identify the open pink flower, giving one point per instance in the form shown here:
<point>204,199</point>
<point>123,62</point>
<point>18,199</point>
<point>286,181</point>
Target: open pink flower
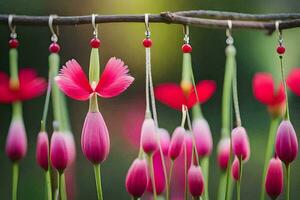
<point>113,81</point>
<point>172,95</point>
<point>30,86</point>
<point>293,81</point>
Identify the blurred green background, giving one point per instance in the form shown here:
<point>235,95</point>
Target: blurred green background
<point>255,52</point>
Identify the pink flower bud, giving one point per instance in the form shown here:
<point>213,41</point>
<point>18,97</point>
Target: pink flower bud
<point>176,142</point>
<point>148,136</point>
<point>137,178</point>
<point>195,181</point>
<point>240,143</point>
<point>95,141</point>
<point>188,144</point>
<point>71,147</point>
<point>159,177</point>
<point>16,142</point>
<point>286,144</point>
<point>203,138</point>
<point>235,169</point>
<point>42,150</point>
<point>58,151</point>
<point>274,178</point>
<point>164,137</point>
<point>223,153</point>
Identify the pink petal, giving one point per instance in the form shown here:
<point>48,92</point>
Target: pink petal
<point>114,79</point>
<point>171,95</point>
<point>205,90</point>
<point>293,81</point>
<point>73,82</point>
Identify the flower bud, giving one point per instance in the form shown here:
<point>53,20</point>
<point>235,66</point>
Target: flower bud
<point>203,138</point>
<point>286,144</point>
<point>42,150</point>
<point>240,143</point>
<point>195,181</point>
<point>223,153</point>
<point>71,147</point>
<point>148,136</point>
<point>159,177</point>
<point>16,142</point>
<point>176,142</point>
<point>137,178</point>
<point>95,141</point>
<point>164,137</point>
<point>274,178</point>
<point>235,169</point>
<point>58,151</point>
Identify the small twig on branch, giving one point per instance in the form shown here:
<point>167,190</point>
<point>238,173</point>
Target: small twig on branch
<point>200,18</point>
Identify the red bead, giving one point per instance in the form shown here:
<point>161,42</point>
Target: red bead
<point>147,42</point>
<point>95,43</point>
<point>186,48</point>
<point>13,43</point>
<point>54,47</point>
<point>280,50</point>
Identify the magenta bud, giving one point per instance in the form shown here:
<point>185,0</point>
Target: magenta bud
<point>286,144</point>
<point>203,138</point>
<point>240,143</point>
<point>176,142</point>
<point>159,177</point>
<point>137,178</point>
<point>58,151</point>
<point>42,150</point>
<point>164,137</point>
<point>16,142</point>
<point>148,137</point>
<point>195,181</point>
<point>95,141</point>
<point>71,147</point>
<point>235,169</point>
<point>274,178</point>
<point>223,153</point>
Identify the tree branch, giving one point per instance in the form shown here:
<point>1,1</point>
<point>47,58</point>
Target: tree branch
<point>200,18</point>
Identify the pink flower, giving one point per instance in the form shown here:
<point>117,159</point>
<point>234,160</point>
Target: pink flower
<point>195,181</point>
<point>95,141</point>
<point>176,142</point>
<point>274,178</point>
<point>137,178</point>
<point>293,81</point>
<point>29,86</point>
<point>240,143</point>
<point>42,150</point>
<point>223,153</point>
<point>164,138</point>
<point>16,141</point>
<point>235,169</point>
<point>149,136</point>
<point>203,138</point>
<point>113,81</point>
<point>58,151</point>
<point>174,96</point>
<point>159,177</point>
<point>286,143</point>
<point>71,147</point>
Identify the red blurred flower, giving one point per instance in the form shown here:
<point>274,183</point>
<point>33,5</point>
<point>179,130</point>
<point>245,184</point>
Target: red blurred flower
<point>174,96</point>
<point>293,81</point>
<point>265,92</point>
<point>30,86</point>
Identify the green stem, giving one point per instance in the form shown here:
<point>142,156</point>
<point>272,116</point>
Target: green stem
<point>240,179</point>
<point>169,179</point>
<point>287,112</point>
<point>15,180</point>
<point>94,69</point>
<point>288,171</point>
<point>48,184</point>
<point>269,151</point>
<point>93,107</point>
<point>98,181</point>
<point>152,177</point>
<point>204,163</point>
<point>228,179</point>
<point>63,192</point>
<point>13,68</point>
<point>17,112</point>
